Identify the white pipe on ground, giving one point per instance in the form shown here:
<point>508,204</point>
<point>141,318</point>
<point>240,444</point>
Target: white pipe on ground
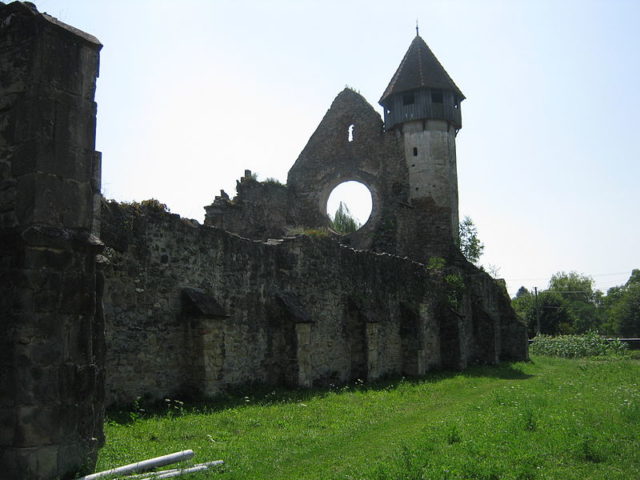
<point>143,465</point>
<point>181,471</point>
<point>163,473</point>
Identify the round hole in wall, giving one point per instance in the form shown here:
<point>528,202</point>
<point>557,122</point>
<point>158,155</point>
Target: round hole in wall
<point>356,202</point>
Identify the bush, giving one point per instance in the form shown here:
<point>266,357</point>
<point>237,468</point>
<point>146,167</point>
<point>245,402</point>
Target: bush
<point>150,204</point>
<point>574,346</point>
<point>273,181</point>
<point>309,232</point>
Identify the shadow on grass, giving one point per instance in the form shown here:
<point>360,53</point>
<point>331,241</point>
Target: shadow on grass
<point>504,371</point>
<point>259,394</point>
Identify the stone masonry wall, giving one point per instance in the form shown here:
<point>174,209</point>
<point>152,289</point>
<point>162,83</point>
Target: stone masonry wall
<point>52,343</point>
<point>301,310</point>
<point>259,210</point>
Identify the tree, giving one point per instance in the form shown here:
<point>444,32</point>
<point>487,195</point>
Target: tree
<point>622,306</point>
<point>555,318</point>
<point>469,243</point>
<point>581,302</point>
<point>524,305</point>
<point>555,314</point>
<point>573,286</point>
<point>569,305</point>
<point>343,221</point>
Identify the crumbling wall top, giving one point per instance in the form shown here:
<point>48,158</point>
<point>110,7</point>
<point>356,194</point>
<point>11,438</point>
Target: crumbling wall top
<point>9,11</point>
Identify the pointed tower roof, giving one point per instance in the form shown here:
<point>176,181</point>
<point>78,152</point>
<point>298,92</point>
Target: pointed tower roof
<point>420,69</point>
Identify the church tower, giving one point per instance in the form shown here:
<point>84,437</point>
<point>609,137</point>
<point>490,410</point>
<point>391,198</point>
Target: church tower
<point>422,106</point>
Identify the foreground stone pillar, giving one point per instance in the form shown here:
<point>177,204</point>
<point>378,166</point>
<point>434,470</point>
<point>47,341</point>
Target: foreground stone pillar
<point>51,345</point>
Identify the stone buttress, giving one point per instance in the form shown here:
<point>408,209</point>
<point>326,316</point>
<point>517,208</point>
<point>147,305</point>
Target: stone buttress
<point>52,342</point>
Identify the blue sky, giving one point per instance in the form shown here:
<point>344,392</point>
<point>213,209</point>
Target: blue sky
<point>192,93</point>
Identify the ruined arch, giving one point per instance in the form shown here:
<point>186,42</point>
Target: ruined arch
<point>371,185</point>
<point>355,195</point>
<point>332,157</point>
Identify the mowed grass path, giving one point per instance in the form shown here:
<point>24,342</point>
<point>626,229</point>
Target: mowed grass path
<point>546,419</point>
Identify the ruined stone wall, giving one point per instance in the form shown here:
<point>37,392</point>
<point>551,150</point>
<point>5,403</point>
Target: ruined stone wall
<point>145,311</point>
<point>260,210</point>
<point>414,202</point>
<point>51,346</point>
<point>302,310</point>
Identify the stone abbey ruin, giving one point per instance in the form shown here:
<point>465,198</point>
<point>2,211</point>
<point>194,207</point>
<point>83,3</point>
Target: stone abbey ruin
<point>104,302</point>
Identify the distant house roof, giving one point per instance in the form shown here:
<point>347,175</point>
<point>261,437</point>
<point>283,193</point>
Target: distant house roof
<point>419,69</point>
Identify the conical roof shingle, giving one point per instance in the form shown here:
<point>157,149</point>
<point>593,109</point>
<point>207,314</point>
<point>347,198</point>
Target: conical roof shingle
<point>420,69</point>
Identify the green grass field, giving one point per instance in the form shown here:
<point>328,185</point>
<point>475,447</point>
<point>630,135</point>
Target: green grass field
<point>550,418</point>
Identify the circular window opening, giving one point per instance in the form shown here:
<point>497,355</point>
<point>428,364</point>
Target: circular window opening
<point>349,207</point>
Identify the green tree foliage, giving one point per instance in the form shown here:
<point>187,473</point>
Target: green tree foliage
<point>555,314</point>
<point>622,306</point>
<point>469,243</point>
<point>343,222</point>
<point>567,306</point>
<point>573,286</point>
<point>524,305</point>
<point>571,306</point>
<point>579,301</point>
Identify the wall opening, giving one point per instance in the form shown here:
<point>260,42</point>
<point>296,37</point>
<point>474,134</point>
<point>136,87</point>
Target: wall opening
<point>356,200</point>
<point>350,135</point>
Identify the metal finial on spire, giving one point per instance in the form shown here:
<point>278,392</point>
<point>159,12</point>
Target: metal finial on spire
<point>417,28</point>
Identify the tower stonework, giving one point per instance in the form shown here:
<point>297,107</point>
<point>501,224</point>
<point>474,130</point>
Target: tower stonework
<point>422,106</point>
<point>430,154</point>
